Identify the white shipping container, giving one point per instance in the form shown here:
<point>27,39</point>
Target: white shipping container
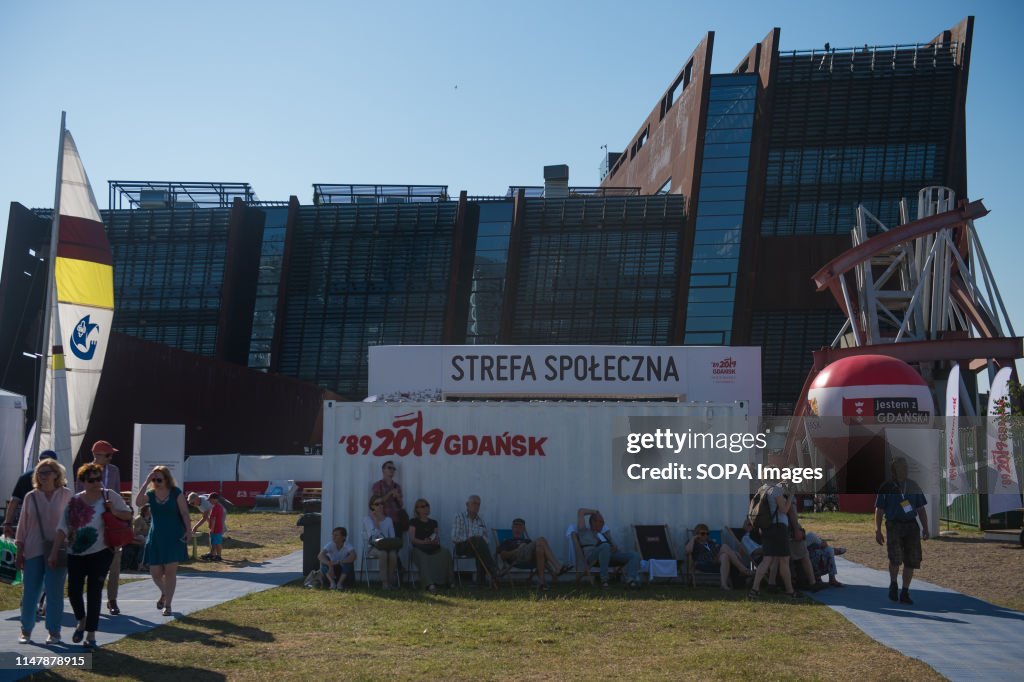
<point>562,459</point>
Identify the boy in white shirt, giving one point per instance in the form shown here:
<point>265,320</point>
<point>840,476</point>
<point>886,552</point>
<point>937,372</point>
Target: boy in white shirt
<point>337,560</point>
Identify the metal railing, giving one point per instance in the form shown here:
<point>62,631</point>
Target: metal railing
<point>537,191</point>
<point>378,194</point>
<point>136,194</point>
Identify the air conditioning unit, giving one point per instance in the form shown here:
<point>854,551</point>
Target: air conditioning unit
<point>154,198</point>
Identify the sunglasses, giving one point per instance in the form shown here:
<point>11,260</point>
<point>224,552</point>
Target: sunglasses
<point>93,479</point>
<point>158,480</point>
<point>702,533</point>
<point>47,472</point>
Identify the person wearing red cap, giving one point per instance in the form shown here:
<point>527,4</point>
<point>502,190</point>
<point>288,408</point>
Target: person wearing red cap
<point>103,454</point>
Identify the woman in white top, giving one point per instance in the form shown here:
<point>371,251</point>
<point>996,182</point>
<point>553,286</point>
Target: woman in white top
<point>88,555</point>
<point>377,528</point>
<point>41,512</point>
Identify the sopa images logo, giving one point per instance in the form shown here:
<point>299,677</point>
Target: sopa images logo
<point>84,339</point>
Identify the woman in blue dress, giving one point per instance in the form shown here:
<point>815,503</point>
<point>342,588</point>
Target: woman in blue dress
<point>169,533</point>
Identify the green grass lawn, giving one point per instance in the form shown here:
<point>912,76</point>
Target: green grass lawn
<point>663,632</point>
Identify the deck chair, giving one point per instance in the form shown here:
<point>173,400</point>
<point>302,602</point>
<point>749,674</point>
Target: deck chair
<point>655,546</point>
<point>583,568</point>
<point>500,536</point>
<point>279,495</point>
<point>693,576</point>
<point>731,537</point>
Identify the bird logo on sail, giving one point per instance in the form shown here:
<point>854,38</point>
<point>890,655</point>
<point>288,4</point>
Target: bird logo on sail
<point>84,339</point>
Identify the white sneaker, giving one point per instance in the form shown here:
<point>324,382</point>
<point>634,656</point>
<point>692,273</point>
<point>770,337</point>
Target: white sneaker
<point>25,639</point>
<point>53,639</point>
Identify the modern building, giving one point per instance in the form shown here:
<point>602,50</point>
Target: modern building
<point>705,230</point>
<point>774,159</point>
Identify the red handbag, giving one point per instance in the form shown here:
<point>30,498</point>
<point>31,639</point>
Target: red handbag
<point>116,533</point>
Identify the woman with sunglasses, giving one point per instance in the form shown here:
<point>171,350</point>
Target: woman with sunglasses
<point>379,532</point>
<point>170,531</point>
<point>432,561</point>
<point>88,555</point>
<point>42,510</point>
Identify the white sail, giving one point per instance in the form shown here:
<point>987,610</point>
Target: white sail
<point>83,303</point>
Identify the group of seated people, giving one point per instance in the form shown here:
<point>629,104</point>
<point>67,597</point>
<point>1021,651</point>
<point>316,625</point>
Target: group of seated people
<point>386,524</point>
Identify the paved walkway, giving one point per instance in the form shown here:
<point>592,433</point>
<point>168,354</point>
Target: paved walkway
<point>137,601</point>
<point>963,638</point>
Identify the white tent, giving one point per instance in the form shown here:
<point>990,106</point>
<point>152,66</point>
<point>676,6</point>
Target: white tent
<point>12,440</point>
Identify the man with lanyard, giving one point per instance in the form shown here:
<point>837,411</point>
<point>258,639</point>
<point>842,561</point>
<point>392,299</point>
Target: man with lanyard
<point>902,503</point>
<point>102,454</point>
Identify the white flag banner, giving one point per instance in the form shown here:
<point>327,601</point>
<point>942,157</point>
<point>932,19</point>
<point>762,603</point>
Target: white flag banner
<point>1003,486</point>
<point>956,480</point>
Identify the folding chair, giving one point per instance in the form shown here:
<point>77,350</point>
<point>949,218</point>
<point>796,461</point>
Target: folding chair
<point>365,568</point>
<point>585,569</point>
<point>731,537</point>
<point>655,546</point>
<point>500,536</point>
<point>456,558</point>
<point>693,576</point>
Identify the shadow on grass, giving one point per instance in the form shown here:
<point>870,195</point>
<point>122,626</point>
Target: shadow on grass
<point>222,632</point>
<point>108,663</point>
<point>203,540</point>
<point>567,592</point>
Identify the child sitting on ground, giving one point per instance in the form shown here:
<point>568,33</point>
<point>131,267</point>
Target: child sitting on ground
<point>337,560</point>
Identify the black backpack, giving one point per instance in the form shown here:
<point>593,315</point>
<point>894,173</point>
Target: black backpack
<point>760,512</point>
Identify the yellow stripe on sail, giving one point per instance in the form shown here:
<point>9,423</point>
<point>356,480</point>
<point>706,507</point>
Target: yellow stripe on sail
<point>85,283</point>
<point>58,363</point>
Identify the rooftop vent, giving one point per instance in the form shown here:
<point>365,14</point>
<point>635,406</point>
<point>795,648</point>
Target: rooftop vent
<point>556,182</point>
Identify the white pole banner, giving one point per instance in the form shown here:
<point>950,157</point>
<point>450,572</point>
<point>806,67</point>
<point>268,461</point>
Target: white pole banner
<point>1003,488</point>
<point>956,481</point>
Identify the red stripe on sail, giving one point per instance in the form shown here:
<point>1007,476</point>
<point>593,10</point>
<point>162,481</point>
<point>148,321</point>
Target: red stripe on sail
<point>83,239</point>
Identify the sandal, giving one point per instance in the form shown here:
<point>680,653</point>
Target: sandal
<point>160,603</point>
<point>753,594</point>
<point>112,607</point>
<point>565,569</point>
<point>78,634</point>
<point>795,594</point>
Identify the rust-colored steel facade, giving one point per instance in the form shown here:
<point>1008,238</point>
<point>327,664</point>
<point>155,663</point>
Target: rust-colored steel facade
<point>832,128</point>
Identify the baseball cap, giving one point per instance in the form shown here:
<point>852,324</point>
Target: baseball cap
<point>103,447</point>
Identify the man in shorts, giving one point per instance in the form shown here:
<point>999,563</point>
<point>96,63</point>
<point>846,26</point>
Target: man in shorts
<point>520,549</point>
<point>901,502</point>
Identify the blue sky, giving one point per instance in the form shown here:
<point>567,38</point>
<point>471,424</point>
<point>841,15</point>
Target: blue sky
<point>474,95</point>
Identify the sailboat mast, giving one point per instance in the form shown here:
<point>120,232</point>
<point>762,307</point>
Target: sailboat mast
<point>51,293</point>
